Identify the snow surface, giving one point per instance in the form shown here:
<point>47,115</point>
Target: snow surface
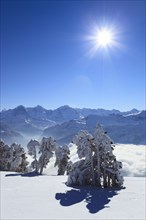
<point>47,197</point>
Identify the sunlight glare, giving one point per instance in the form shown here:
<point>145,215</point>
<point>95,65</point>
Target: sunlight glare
<point>104,38</point>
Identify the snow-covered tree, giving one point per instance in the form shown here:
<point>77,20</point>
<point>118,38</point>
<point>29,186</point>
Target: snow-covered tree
<point>4,156</point>
<point>33,150</point>
<point>82,172</point>
<point>18,158</point>
<point>69,167</point>
<point>62,157</point>
<point>110,167</point>
<point>97,166</point>
<point>41,152</point>
<point>12,158</point>
<point>47,146</point>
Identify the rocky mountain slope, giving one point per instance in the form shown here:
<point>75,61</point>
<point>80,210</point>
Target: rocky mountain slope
<point>129,129</point>
<point>64,122</point>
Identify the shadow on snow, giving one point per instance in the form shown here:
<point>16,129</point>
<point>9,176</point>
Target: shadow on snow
<point>30,174</point>
<point>96,199</point>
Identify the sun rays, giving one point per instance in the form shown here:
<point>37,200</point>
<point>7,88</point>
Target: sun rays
<point>103,39</point>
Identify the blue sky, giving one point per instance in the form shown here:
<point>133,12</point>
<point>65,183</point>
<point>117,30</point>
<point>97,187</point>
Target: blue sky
<point>46,59</point>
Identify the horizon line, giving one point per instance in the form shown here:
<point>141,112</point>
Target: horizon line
<point>65,105</point>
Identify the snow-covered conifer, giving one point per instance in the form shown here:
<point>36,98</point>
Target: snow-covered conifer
<point>4,156</point>
<point>62,157</point>
<point>82,172</point>
<point>12,158</point>
<point>109,166</point>
<point>17,158</point>
<point>33,150</point>
<point>41,152</point>
<point>47,146</point>
<point>98,165</point>
<point>69,167</point>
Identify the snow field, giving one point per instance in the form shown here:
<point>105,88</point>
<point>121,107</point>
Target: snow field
<point>47,197</point>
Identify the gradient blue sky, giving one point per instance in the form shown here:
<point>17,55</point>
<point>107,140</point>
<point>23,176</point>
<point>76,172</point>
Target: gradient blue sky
<point>46,60</point>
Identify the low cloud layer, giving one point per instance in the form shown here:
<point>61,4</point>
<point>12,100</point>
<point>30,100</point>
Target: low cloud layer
<point>133,158</point>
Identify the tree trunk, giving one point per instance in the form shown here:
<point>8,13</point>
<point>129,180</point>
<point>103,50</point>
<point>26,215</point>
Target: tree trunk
<point>42,165</point>
<point>108,182</point>
<point>36,164</point>
<point>41,170</point>
<point>98,168</point>
<point>104,174</point>
<point>93,174</point>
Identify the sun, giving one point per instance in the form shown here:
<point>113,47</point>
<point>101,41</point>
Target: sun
<point>104,37</point>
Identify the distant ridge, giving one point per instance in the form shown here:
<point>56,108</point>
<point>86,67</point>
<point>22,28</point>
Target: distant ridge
<point>84,111</point>
<point>65,121</point>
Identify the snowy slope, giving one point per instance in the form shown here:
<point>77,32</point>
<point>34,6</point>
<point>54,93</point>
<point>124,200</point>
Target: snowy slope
<point>47,197</point>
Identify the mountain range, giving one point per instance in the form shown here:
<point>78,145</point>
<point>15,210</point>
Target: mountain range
<point>21,124</point>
